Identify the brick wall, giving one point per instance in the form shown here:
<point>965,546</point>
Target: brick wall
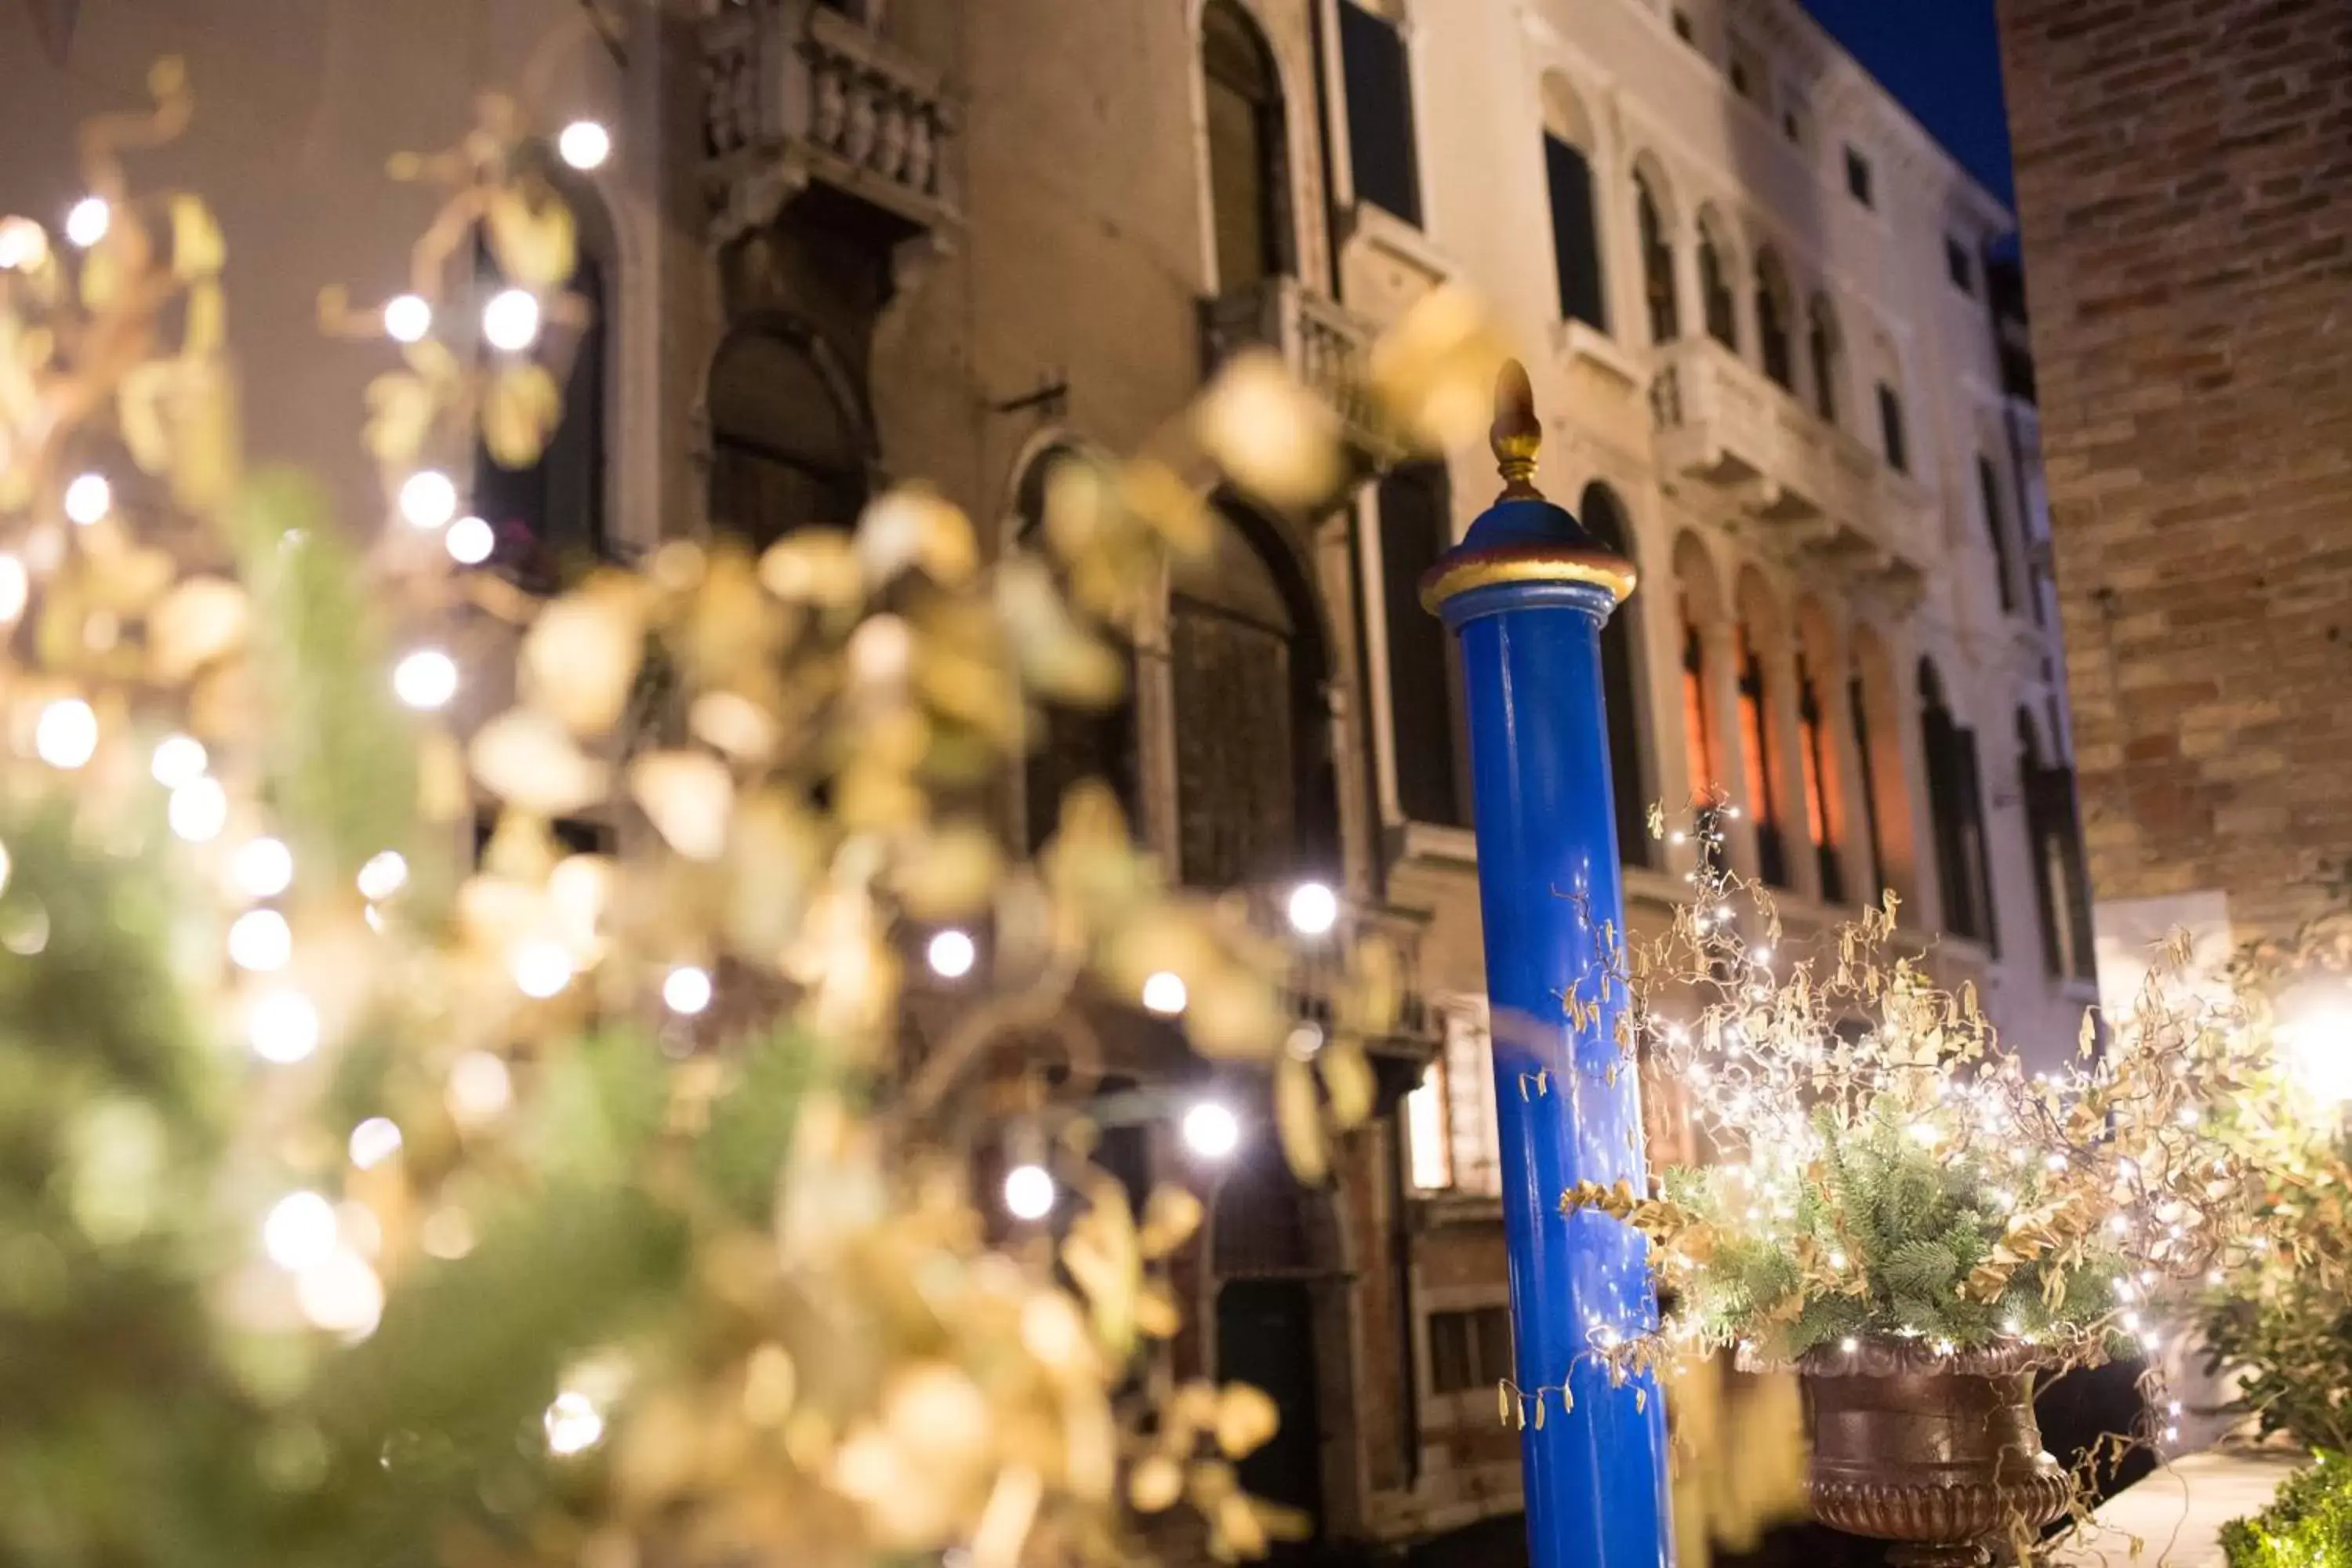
<point>2184,172</point>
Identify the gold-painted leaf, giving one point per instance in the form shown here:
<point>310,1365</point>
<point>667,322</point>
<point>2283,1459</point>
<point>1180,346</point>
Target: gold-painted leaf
<point>195,623</point>
<point>914,525</point>
<point>1170,1215</point>
<point>527,758</point>
<point>1155,1484</point>
<point>1348,1080</point>
<point>689,797</point>
<point>1297,1120</point>
<point>1275,440</point>
<point>1246,1418</point>
<point>533,239</point>
<point>950,872</point>
<point>520,408</point>
<point>579,660</point>
<point>197,248</point>
<point>401,409</point>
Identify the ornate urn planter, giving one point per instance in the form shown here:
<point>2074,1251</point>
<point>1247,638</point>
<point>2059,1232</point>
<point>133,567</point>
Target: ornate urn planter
<point>1939,1453</point>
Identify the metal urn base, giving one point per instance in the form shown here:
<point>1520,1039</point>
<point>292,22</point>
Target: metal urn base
<point>1939,1453</point>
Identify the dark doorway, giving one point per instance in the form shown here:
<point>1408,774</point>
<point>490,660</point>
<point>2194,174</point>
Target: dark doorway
<point>1265,1336</point>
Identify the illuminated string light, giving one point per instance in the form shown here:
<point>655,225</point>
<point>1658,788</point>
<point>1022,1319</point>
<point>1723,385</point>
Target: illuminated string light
<point>1314,909</point>
<point>510,320</point>
<point>24,245</point>
<point>540,969</point>
<point>89,499</point>
<point>16,585</point>
<point>65,735</point>
<point>261,940</point>
<point>480,1089</point>
<point>425,680</point>
<point>951,955</point>
<point>687,990</point>
<point>429,498</point>
<point>469,541</point>
<point>584,144</point>
<point>179,761</point>
<point>1164,994</point>
<point>88,220</point>
<point>300,1231</point>
<point>384,875</point>
<point>263,868</point>
<point>283,1028</point>
<point>374,1142</point>
<point>1211,1131</point>
<point>199,810</point>
<point>572,1424</point>
<point>407,317</point>
<point>340,1294</point>
<point>1028,1192</point>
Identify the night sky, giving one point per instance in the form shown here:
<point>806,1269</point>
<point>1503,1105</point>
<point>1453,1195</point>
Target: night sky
<point>1942,60</point>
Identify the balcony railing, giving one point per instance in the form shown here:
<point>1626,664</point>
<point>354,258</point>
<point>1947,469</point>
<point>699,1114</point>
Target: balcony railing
<point>1323,344</point>
<point>795,91</point>
<point>1721,421</point>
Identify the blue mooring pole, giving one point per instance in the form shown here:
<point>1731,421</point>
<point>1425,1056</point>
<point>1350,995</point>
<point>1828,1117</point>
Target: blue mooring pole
<point>1527,591</point>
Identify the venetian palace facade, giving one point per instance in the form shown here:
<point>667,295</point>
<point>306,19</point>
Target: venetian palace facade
<point>840,243</point>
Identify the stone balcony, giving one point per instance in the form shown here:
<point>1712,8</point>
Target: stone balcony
<point>1325,346</point>
<point>796,92</point>
<point>1720,421</point>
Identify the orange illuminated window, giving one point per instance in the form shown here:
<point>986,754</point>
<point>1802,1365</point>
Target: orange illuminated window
<point>1698,732</point>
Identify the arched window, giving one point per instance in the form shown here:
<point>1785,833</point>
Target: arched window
<point>1894,441</point>
<point>1699,600</point>
<point>547,517</point>
<point>1818,755</point>
<point>2054,837</point>
<point>1956,802</point>
<point>1416,512</point>
<point>1996,523</point>
<point>1657,263</point>
<point>1828,354</point>
<point>1077,743</point>
<point>1254,783</point>
<point>1699,718</point>
<point>1759,759</point>
<point>1774,314</point>
<point>1575,234</point>
<point>2042,850</point>
<point>789,442</point>
<point>1714,287</point>
<point>1605,518</point>
<point>1248,178</point>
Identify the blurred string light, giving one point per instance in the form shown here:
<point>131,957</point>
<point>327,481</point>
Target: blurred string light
<point>686,990</point>
<point>480,1089</point>
<point>952,953</point>
<point>425,680</point>
<point>179,760</point>
<point>65,735</point>
<point>300,1231</point>
<point>572,1424</point>
<point>469,541</point>
<point>283,1028</point>
<point>1314,909</point>
<point>1165,995</point>
<point>1028,1192</point>
<point>199,810</point>
<point>261,940</point>
<point>510,320</point>
<point>429,498</point>
<point>584,144</point>
<point>407,317</point>
<point>1211,1131</point>
<point>541,969</point>
<point>263,868</point>
<point>88,220</point>
<point>374,1142</point>
<point>89,499</point>
<point>384,875</point>
<point>16,585</point>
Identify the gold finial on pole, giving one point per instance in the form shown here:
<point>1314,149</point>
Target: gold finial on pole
<point>1517,435</point>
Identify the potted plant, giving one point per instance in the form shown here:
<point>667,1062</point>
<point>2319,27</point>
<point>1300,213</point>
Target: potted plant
<point>1904,1212</point>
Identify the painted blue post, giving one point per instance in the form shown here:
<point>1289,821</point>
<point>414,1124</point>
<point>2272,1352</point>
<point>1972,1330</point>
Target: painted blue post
<point>1528,591</point>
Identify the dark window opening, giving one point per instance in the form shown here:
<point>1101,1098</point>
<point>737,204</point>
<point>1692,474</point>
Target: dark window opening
<point>1789,128</point>
<point>1892,439</point>
<point>1605,518</point>
<point>1772,321</point>
<point>1379,82</point>
<point>1956,263</point>
<point>1756,758</point>
<point>1821,806</point>
<point>1683,29</point>
<point>1996,531</point>
<point>1424,724</point>
<point>1857,178</point>
<point>1469,1350</point>
<point>1956,804</point>
<point>1860,713</point>
<point>1739,83</point>
<point>787,437</point>
<point>1657,265</point>
<point>1575,238</point>
<point>1248,181</point>
<point>1715,294</point>
<point>1821,342</point>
